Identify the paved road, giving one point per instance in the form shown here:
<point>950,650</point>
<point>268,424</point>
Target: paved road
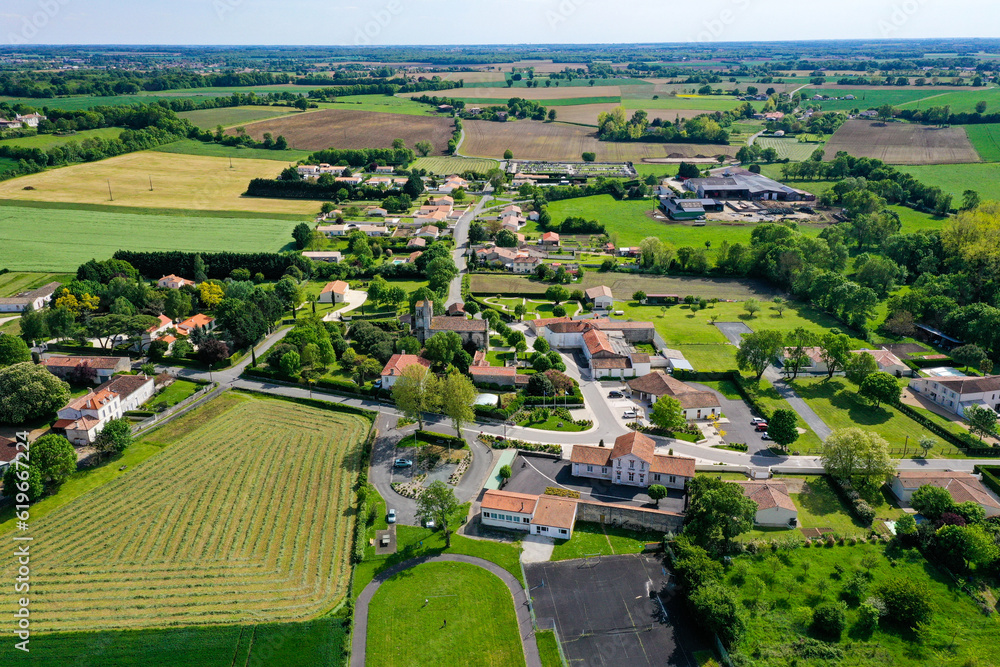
<point>461,234</point>
<point>802,408</point>
<point>359,638</point>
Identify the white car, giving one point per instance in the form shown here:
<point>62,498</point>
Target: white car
<point>391,516</point>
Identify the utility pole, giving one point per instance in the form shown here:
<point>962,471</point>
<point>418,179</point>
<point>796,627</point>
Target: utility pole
<point>151,183</point>
<point>230,162</point>
<point>109,190</point>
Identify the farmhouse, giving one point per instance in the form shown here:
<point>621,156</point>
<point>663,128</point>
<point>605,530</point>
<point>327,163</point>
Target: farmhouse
<point>695,403</point>
<point>10,124</point>
<point>331,231</point>
<point>331,256</point>
<point>426,325</point>
<point>632,462</point>
<point>173,282</point>
<point>84,418</point>
<point>957,394</point>
<point>31,119</point>
<point>104,367</point>
<point>526,264</point>
<point>36,298</point>
<point>397,364</point>
<point>334,292</point>
<point>774,505</point>
<point>961,486</point>
<point>600,296</point>
<point>887,362</point>
<point>743,184</point>
<point>199,321</point>
<point>688,209</point>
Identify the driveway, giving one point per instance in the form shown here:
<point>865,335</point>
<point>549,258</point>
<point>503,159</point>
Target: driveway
<point>801,408</point>
<point>739,428</point>
<point>733,331</point>
<point>354,298</point>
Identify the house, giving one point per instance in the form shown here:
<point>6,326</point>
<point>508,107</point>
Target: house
<point>632,462</point>
<point>961,486</point>
<point>453,183</point>
<point>563,332</point>
<point>774,115</point>
<point>695,403</point>
<point>812,359</point>
<point>510,210</point>
<point>956,394</point>
<point>199,321</point>
<point>331,231</point>
<point>84,418</point>
<point>397,364</point>
<point>10,124</point>
<point>63,367</point>
<point>155,331</point>
<point>132,390</point>
<point>376,212</point>
<point>426,325</point>
<point>774,505</point>
<point>550,239</point>
<point>31,119</point>
<point>334,292</point>
<point>534,216</point>
<point>414,256</point>
<point>600,296</point>
<point>550,516</point>
<point>554,517</point>
<point>384,169</point>
<point>525,263</point>
<point>36,299</point>
<point>416,244</point>
<point>506,376</point>
<point>332,256</point>
<point>443,201</point>
<point>456,309</point>
<point>8,451</point>
<point>357,179</point>
<point>429,232</point>
<point>173,282</point>
<point>742,184</point>
<point>887,362</point>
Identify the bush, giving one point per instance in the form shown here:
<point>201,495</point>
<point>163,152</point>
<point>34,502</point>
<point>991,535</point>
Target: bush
<point>717,607</point>
<point>829,620</point>
<point>907,603</point>
<point>563,493</point>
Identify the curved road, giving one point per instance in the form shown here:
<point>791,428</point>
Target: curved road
<point>359,638</point>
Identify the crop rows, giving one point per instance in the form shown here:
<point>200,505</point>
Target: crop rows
<point>247,517</point>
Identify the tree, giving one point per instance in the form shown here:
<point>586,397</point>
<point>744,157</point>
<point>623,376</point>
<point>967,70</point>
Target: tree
<point>968,355</point>
<point>212,351</point>
<point>859,366</point>
<point>54,457</point>
<point>757,350</point>
<point>657,492</point>
<point>13,350</point>
<point>302,234</point>
<point>201,269</point>
<point>982,421</point>
<point>508,154</point>
<point>457,396</point>
<point>541,363</point>
<point>667,414</point>
<point>751,306</point>
<point>557,293</point>
<point>177,304</point>
<point>438,502</point>
<point>369,367</point>
<point>291,363</point>
<point>835,350</point>
<point>414,186</point>
<point>416,392</point>
<point>932,501</point>
<point>718,512</point>
<point>855,454</point>
<point>23,478</point>
<point>540,385</point>
<point>540,345</point>
<point>907,601</point>
<point>398,144</point>
<point>885,112</point>
<point>639,296</point>
<point>424,148</point>
<point>926,443</point>
<point>970,200</point>
<point>301,104</point>
<point>505,473</point>
<point>589,156</point>
<point>35,324</point>
<point>559,311</point>
<point>782,427</point>
<point>880,388</point>
<point>115,438</point>
<point>28,391</point>
<point>966,546</point>
<point>211,294</point>
<point>552,114</point>
<point>779,305</point>
<point>718,607</point>
<point>796,343</point>
<point>443,346</point>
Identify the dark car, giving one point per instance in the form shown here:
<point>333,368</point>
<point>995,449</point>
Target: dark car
<point>615,394</point>
<point>402,463</point>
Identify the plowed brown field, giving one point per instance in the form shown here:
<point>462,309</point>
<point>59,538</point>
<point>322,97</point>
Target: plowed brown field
<point>899,143</point>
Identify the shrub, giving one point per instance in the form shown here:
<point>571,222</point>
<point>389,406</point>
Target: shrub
<point>907,603</point>
<point>868,616</point>
<point>829,620</point>
<point>563,493</point>
<point>718,609</point>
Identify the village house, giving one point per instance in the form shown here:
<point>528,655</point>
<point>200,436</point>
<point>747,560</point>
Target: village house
<point>430,232</point>
<point>426,325</point>
<point>549,239</point>
<point>956,394</point>
<point>506,376</point>
<point>775,507</point>
<point>132,390</point>
<point>173,282</point>
<point>414,256</point>
<point>376,212</point>
<point>36,299</point>
<point>9,125</point>
<point>550,516</point>
<point>600,296</point>
<point>198,321</point>
<point>384,169</point>
<point>416,243</point>
<point>887,362</point>
<point>84,418</point>
<point>632,462</point>
<point>695,403</point>
<point>31,119</point>
<point>398,363</point>
<point>334,292</point>
<point>430,216</point>
<point>453,183</point>
<point>154,332</point>
<point>443,201</point>
<point>8,451</point>
<point>812,359</point>
<point>357,179</point>
<point>456,309</point>
<point>104,367</point>
<point>331,231</point>
<point>961,486</point>
<point>331,256</point>
<point>526,263</point>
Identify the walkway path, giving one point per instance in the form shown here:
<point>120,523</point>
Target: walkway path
<point>359,639</point>
<point>801,408</point>
<point>5,320</point>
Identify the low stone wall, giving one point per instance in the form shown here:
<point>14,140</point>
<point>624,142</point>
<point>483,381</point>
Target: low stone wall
<point>633,518</point>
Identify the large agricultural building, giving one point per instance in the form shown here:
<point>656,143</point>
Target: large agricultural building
<point>742,184</point>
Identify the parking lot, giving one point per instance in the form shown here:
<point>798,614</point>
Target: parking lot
<point>739,428</point>
<point>615,610</point>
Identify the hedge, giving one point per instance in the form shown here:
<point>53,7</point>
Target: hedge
<point>496,442</point>
<point>990,476</point>
<point>429,436</point>
<point>562,493</point>
<point>916,363</point>
<point>963,441</point>
<point>861,510</point>
<point>316,403</point>
<point>324,385</point>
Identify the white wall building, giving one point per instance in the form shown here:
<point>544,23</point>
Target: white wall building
<point>632,462</point>
<point>957,394</point>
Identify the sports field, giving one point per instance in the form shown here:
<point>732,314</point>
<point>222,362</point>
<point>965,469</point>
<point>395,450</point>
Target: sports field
<point>455,165</point>
<point>53,239</point>
<point>179,181</point>
<point>209,119</point>
<point>244,517</point>
<point>986,140</point>
<point>45,141</point>
<point>443,614</point>
<point>342,128</point>
<point>902,143</point>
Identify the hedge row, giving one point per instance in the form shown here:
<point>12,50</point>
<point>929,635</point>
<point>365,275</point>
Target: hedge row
<point>484,306</point>
<point>917,363</point>
<point>861,510</point>
<point>990,476</point>
<point>963,441</point>
<point>498,443</point>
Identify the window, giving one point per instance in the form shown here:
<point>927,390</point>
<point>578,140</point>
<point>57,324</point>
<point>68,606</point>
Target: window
<point>631,463</point>
<point>562,531</point>
<point>631,477</point>
<point>525,520</point>
<point>543,529</point>
<point>604,470</point>
<point>619,463</point>
<point>590,468</point>
<point>673,479</point>
<point>656,477</point>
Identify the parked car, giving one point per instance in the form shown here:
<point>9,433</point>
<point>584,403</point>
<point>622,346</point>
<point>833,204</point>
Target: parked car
<point>766,436</point>
<point>760,426</point>
<point>378,383</point>
<point>391,516</point>
<point>429,523</point>
<point>402,463</point>
<point>630,414</point>
<point>757,420</point>
<point>615,394</point>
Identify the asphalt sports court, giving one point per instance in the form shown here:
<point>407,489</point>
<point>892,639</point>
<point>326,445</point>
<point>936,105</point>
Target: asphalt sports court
<point>614,611</point>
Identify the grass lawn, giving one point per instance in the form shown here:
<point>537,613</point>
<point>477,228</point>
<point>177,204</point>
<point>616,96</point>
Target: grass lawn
<point>46,141</point>
<point>49,239</point>
<point>11,328</point>
<point>498,358</point>
<point>780,590</point>
<point>552,424</point>
<point>590,539</point>
<point>916,221</point>
<point>443,614</point>
<point>175,393</point>
<point>195,147</point>
<point>548,648</point>
<point>837,403</point>
<point>15,282</point>
<point>446,165</point>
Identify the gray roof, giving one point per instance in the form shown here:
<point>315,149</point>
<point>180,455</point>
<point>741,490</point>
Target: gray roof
<point>755,183</point>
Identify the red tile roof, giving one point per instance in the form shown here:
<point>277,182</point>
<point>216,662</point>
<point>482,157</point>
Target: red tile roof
<point>555,512</point>
<point>768,495</point>
<point>659,383</point>
<point>962,486</point>
<point>104,363</point>
<point>126,385</point>
<point>600,290</point>
<point>94,400</point>
<point>590,455</point>
<point>492,371</point>
<point>445,323</point>
<point>8,450</point>
<point>597,342</point>
<point>635,443</point>
<point>550,236</point>
<point>400,362</point>
<point>164,322</point>
<point>508,501</point>
<point>337,287</point>
<point>681,466</point>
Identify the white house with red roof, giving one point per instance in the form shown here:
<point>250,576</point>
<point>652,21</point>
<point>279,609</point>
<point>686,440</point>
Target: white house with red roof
<point>173,282</point>
<point>774,505</point>
<point>104,367</point>
<point>550,516</point>
<point>155,332</point>
<point>84,418</point>
<point>549,238</point>
<point>961,486</point>
<point>632,462</point>
<point>398,363</point>
<point>199,321</point>
<point>334,292</point>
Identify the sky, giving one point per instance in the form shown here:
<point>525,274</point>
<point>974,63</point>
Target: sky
<point>398,22</point>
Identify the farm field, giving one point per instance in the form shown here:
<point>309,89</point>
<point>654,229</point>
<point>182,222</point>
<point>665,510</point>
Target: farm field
<point>586,114</point>
<point>204,149</point>
<point>915,221</point>
<point>209,119</point>
<point>80,102</point>
<point>489,284</point>
<point>871,98</point>
<point>901,143</point>
<point>697,102</point>
<point>958,633</point>
<point>306,644</point>
<point>45,141</point>
<point>985,139</point>
<point>380,103</point>
<point>541,94</point>
<point>984,178</point>
<point>15,282</point>
<point>454,165</point>
<point>788,147</point>
<point>564,83</point>
<point>472,77</point>
<point>7,163</point>
<point>59,240</point>
<point>258,537</point>
<point>960,101</point>
<point>623,285</point>
<point>537,140</point>
<point>443,614</point>
<point>180,181</point>
<point>336,128</point>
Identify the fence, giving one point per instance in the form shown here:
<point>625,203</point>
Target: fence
<point>176,410</point>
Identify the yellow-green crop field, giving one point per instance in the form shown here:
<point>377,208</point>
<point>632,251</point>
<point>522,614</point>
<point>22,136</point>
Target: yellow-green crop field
<point>246,516</point>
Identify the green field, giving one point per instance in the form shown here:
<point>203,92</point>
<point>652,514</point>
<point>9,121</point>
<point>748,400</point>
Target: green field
<point>982,177</point>
<point>44,239</point>
<point>455,165</point>
<point>46,141</point>
<point>7,163</point>
<point>381,103</point>
<point>872,99</point>
<point>986,139</point>
<point>175,393</point>
<point>15,282</point>
<point>209,119</point>
<point>963,100</point>
<point>443,614</point>
<point>917,221</point>
<point>563,83</point>
<point>195,147</point>
<point>80,102</point>
<point>782,589</point>
<point>321,642</point>
<point>788,147</point>
<point>555,102</point>
<point>591,539</point>
<point>705,102</point>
